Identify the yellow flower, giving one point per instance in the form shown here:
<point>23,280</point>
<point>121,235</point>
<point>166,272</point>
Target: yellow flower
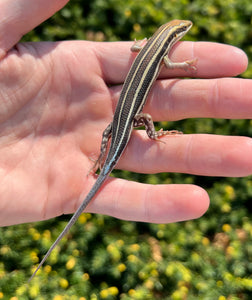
<point>226,228</point>
<point>120,243</point>
<point>222,298</point>
<point>228,276</point>
<point>85,276</point>
<point>4,250</point>
<point>143,275</point>
<point>184,290</point>
<point>185,272</point>
<point>132,258</point>
<point>63,283</point>
<point>195,257</point>
<point>205,241</point>
<point>246,282</point>
<point>137,27</point>
<point>34,257</point>
<point>169,270</point>
<point>47,269</point>
<point>181,293</point>
<point>176,295</point>
<point>132,292</point>
<point>187,276</point>
<point>82,219</point>
<point>134,247</point>
<point>202,286</point>
<point>230,192</point>
<point>47,234</point>
<point>113,290</point>
<point>32,231</point>
<point>110,248</point>
<point>34,291</point>
<point>76,252</point>
<point>104,293</point>
<point>154,273</point>
<point>34,268</point>
<point>36,236</point>
<point>226,208</point>
<point>219,283</point>
<point>230,251</point>
<point>149,284</point>
<point>54,255</point>
<point>160,234</point>
<point>70,263</point>
<point>58,297</point>
<point>114,251</point>
<point>127,13</point>
<point>121,268</point>
<point>1,295</point>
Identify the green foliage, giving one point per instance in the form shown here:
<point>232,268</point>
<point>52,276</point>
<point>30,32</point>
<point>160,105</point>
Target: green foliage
<point>105,258</point>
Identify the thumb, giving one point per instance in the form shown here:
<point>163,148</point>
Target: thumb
<point>20,16</point>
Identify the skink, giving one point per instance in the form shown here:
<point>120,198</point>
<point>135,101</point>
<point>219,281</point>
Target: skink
<point>128,114</point>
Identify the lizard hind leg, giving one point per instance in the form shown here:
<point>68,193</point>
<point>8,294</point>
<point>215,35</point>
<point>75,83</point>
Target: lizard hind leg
<point>144,119</point>
<point>104,145</point>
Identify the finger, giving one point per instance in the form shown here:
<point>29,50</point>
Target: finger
<point>213,60</point>
<point>177,99</point>
<point>20,16</point>
<point>149,203</point>
<point>198,154</point>
<point>216,98</point>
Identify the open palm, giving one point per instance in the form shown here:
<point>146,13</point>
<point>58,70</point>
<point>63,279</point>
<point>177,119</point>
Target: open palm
<point>57,98</point>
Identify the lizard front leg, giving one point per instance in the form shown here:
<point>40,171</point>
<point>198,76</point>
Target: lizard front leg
<point>138,45</point>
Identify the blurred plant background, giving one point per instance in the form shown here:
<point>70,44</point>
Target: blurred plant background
<point>106,258</point>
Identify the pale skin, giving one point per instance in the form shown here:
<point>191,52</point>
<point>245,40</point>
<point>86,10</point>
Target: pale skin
<point>57,98</point>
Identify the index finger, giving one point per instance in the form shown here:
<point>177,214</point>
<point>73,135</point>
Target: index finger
<point>213,60</point>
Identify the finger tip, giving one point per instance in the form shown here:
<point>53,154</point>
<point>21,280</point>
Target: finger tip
<point>194,205</point>
<point>189,205</point>
<point>200,203</point>
<point>241,58</point>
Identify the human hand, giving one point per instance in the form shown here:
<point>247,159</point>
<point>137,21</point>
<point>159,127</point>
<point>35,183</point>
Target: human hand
<point>57,98</point>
